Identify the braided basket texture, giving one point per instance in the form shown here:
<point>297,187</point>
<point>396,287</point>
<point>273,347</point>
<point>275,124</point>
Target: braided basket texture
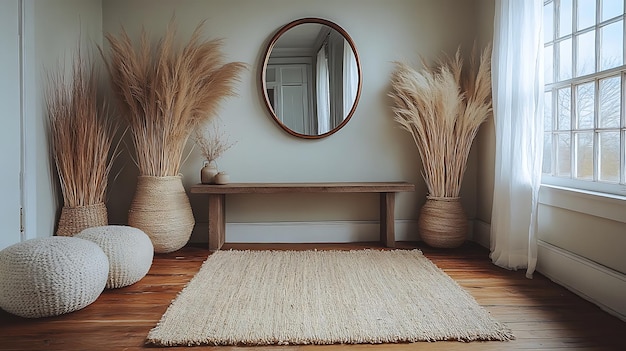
<point>75,219</point>
<point>161,209</point>
<point>442,222</point>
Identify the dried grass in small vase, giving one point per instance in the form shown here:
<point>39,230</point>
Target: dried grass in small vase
<point>81,137</point>
<point>213,142</point>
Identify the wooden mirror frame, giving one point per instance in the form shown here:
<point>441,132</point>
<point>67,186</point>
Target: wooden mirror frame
<point>265,62</point>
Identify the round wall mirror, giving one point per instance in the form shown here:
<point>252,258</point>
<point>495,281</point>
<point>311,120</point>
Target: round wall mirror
<point>311,78</point>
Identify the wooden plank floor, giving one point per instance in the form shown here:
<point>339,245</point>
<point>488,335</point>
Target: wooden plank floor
<point>542,315</point>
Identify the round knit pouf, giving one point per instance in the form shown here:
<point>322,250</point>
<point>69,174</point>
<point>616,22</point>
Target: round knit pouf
<point>129,251</point>
<point>51,276</point>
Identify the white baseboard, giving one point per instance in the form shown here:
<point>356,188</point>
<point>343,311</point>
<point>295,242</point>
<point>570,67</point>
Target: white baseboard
<point>590,280</point>
<point>482,233</point>
<point>307,232</point>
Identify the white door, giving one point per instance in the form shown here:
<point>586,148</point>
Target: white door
<point>10,120</point>
<point>293,107</point>
<point>294,98</point>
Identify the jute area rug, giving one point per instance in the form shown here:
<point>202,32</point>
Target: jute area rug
<point>322,297</point>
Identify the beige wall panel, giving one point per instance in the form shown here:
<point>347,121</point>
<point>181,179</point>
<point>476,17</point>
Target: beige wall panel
<point>597,239</point>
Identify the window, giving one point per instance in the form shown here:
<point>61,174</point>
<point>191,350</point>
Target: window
<point>585,93</point>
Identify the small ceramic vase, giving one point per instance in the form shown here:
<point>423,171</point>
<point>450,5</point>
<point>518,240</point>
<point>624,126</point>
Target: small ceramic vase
<point>221,178</point>
<point>208,172</point>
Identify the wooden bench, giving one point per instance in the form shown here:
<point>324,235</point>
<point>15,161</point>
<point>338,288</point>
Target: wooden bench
<point>217,201</point>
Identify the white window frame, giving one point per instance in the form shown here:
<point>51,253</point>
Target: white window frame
<point>571,182</point>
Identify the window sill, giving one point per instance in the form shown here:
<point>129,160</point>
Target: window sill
<point>597,204</point>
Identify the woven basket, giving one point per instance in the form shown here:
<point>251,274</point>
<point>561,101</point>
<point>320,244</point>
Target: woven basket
<point>442,222</point>
<point>161,209</point>
<point>74,219</point>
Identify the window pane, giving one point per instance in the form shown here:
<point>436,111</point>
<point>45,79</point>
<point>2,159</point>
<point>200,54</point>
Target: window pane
<point>548,22</point>
<point>585,101</point>
<point>547,153</point>
<point>565,18</point>
<point>563,153</point>
<point>564,114</point>
<point>610,102</point>
<point>548,66</point>
<point>586,13</point>
<point>586,53</point>
<point>584,156</point>
<point>612,45</point>
<point>547,111</point>
<point>565,59</point>
<point>612,8</point>
<point>609,156</point>
<point>585,92</point>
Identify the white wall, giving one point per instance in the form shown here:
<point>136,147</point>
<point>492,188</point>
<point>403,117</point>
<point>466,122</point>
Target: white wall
<point>370,148</point>
<point>484,145</point>
<point>52,30</point>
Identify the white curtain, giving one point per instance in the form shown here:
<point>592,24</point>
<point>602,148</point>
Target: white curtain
<point>350,78</point>
<point>517,81</point>
<point>323,92</point>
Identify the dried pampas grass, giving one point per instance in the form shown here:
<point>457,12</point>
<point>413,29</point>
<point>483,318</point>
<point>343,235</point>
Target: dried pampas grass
<point>443,107</point>
<point>167,92</point>
<point>80,132</point>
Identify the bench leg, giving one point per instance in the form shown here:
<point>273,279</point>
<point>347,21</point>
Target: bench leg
<point>387,209</point>
<point>217,221</point>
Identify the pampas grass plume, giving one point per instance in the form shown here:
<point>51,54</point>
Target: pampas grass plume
<point>442,107</point>
<point>167,91</point>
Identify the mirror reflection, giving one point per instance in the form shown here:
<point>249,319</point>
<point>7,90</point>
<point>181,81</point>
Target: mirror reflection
<point>311,78</point>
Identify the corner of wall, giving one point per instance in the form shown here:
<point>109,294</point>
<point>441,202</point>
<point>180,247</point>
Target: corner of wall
<point>482,233</point>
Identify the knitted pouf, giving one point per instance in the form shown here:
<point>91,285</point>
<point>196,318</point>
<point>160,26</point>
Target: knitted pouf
<point>51,276</point>
<point>129,250</point>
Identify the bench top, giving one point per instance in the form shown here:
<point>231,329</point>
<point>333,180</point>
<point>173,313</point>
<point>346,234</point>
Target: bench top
<point>273,188</point>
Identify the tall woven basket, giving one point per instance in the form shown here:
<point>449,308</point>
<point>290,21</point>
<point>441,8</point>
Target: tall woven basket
<point>74,219</point>
<point>442,222</point>
<point>161,209</point>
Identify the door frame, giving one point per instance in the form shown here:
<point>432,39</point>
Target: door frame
<point>29,112</point>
